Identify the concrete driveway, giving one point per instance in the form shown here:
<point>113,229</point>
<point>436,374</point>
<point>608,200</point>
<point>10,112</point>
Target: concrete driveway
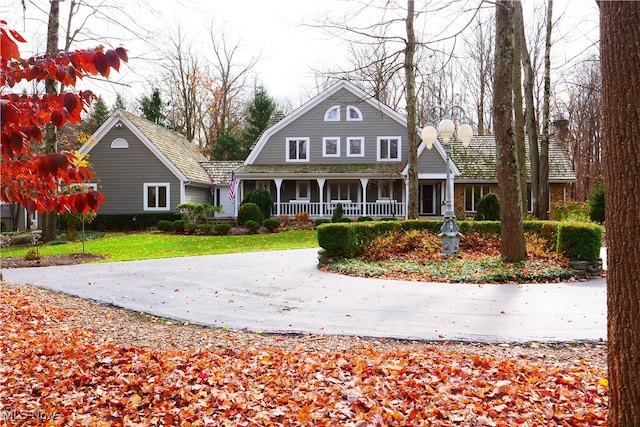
<point>283,291</point>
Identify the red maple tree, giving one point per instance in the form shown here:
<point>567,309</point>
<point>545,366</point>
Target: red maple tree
<point>31,179</point>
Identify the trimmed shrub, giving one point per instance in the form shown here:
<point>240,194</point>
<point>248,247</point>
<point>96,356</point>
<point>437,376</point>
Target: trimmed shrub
<point>580,241</point>
<point>222,229</point>
<point>249,212</point>
<point>596,203</point>
<point>165,225</point>
<point>337,240</point>
<point>179,225</point>
<point>488,208</point>
<point>205,228</point>
<point>190,227</point>
<point>321,221</point>
<point>343,219</point>
<point>364,219</point>
<point>271,223</point>
<point>252,225</point>
<point>262,198</point>
<point>337,213</point>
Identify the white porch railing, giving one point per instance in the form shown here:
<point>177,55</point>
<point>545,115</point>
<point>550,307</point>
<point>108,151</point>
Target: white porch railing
<point>349,209</point>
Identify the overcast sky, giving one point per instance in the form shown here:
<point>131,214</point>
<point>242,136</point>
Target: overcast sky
<point>272,29</point>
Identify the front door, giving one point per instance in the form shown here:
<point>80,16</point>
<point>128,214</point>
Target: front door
<point>428,197</point>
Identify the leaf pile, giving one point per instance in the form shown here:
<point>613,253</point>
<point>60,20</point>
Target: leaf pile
<point>417,256</point>
<point>56,375</point>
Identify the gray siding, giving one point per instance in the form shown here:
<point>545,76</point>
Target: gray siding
<point>197,194</point>
<point>312,125</point>
<point>121,173</point>
<point>430,161</point>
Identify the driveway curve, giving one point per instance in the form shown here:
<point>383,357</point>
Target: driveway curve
<point>283,291</point>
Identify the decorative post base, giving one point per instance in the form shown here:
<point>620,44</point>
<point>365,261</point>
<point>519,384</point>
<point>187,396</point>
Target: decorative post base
<point>450,234</point>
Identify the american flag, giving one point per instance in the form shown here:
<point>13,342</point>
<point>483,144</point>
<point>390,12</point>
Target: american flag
<point>232,187</point>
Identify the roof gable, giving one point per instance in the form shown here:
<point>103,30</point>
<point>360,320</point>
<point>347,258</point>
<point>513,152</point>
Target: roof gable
<point>179,155</point>
<point>315,101</point>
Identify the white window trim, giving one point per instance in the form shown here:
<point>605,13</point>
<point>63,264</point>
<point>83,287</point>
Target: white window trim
<point>353,108</point>
<point>473,195</point>
<point>145,202</point>
<point>379,140</point>
<point>340,184</point>
<point>381,198</point>
<point>329,111</point>
<point>119,143</point>
<point>324,146</point>
<point>286,148</point>
<point>351,138</point>
<point>300,184</point>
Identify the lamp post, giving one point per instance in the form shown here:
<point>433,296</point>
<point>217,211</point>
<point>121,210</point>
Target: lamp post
<point>449,117</point>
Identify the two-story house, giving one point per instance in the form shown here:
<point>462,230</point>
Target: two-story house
<point>344,146</point>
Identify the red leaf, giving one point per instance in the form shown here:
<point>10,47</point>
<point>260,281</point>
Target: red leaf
<point>71,102</point>
<point>57,118</point>
<point>113,59</point>
<point>122,53</point>
<point>101,64</point>
<point>79,203</point>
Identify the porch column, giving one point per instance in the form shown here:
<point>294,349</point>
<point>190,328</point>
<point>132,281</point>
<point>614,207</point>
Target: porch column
<point>321,182</point>
<point>364,182</point>
<point>278,182</point>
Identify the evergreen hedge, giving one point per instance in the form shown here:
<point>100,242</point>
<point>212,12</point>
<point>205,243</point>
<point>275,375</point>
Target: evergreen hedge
<point>576,241</point>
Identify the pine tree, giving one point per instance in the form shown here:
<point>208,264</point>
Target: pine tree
<point>99,113</point>
<point>261,111</point>
<point>153,107</point>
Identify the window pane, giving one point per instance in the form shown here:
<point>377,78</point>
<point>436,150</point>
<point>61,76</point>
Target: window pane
<point>468,198</point>
<point>476,195</point>
<point>151,197</point>
<point>355,146</point>
<point>393,150</point>
<point>331,146</point>
<point>302,150</point>
<point>162,197</point>
<point>293,149</point>
<point>384,148</point>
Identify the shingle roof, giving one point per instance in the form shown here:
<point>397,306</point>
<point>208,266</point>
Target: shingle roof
<point>220,170</point>
<point>479,161</point>
<point>174,146</point>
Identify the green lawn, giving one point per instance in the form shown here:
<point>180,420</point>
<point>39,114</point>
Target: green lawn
<point>128,247</point>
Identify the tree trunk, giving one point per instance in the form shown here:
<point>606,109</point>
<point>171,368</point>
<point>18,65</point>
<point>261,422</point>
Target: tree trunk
<point>409,70</point>
<point>530,110</point>
<point>543,177</point>
<point>620,55</point>
<point>513,245</point>
<point>521,149</point>
<point>49,219</point>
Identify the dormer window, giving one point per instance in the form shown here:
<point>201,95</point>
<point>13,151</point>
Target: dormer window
<point>332,114</point>
<point>353,114</point>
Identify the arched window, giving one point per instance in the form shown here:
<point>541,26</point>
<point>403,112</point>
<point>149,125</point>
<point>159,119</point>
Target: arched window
<point>332,114</point>
<point>119,143</point>
<point>353,114</point>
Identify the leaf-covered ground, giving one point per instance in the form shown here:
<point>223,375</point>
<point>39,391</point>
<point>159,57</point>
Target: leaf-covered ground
<point>416,255</point>
<point>53,373</point>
